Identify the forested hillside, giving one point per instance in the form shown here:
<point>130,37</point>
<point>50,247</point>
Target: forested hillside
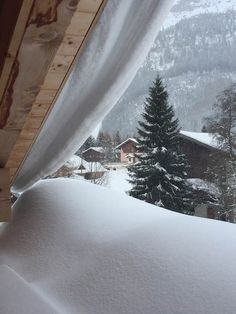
<point>195,54</point>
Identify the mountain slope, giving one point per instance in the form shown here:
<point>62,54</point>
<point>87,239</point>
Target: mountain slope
<point>195,55</point>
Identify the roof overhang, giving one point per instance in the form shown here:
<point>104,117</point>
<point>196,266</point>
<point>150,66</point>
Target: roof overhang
<point>42,40</point>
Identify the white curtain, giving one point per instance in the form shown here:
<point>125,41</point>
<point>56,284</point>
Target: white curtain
<point>117,48</point>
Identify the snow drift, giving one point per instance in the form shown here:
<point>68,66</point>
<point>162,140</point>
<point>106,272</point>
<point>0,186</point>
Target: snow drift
<point>89,250</point>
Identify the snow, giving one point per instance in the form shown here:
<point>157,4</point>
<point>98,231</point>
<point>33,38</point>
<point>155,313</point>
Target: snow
<point>75,162</point>
<point>118,180</point>
<point>97,149</point>
<point>117,48</point>
<point>130,139</point>
<point>198,7</point>
<point>199,184</point>
<point>17,297</point>
<point>88,250</point>
<point>204,138</point>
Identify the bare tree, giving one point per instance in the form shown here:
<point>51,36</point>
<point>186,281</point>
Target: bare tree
<point>222,166</point>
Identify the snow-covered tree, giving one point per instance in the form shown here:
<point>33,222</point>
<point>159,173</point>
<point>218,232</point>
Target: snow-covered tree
<point>222,166</point>
<point>116,139</point>
<point>159,175</point>
<point>104,140</point>
<point>90,142</point>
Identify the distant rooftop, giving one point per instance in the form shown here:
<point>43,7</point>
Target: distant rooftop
<point>128,139</point>
<point>96,149</point>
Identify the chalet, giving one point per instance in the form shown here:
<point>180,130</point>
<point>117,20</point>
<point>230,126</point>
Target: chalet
<point>198,148</point>
<point>93,154</point>
<point>128,150</point>
<point>77,166</point>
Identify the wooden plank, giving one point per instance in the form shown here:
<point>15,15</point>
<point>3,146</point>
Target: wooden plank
<point>5,195</point>
<point>27,134</point>
<point>53,80</point>
<point>39,109</point>
<point>46,96</point>
<point>70,44</point>
<point>61,64</point>
<point>33,122</point>
<point>80,23</point>
<point>89,6</point>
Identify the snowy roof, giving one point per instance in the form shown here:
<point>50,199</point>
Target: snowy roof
<point>86,248</point>
<point>132,155</point>
<point>75,162</point>
<point>199,184</point>
<point>206,139</point>
<point>96,149</point>
<point>130,139</point>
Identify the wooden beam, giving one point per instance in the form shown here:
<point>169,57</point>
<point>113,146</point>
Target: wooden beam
<point>39,30</point>
<point>74,40</point>
<point>5,195</point>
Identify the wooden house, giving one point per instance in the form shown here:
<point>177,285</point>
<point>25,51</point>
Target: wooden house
<point>128,150</point>
<point>198,148</point>
<point>77,166</point>
<point>93,154</point>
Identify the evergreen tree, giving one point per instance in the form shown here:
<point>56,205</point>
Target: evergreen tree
<point>104,140</point>
<point>116,139</point>
<point>100,139</point>
<point>116,142</point>
<point>90,142</point>
<point>159,176</point>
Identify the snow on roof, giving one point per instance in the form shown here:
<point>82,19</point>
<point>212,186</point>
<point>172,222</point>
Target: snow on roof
<point>200,137</point>
<point>88,249</point>
<point>128,139</point>
<point>97,149</point>
<point>131,155</point>
<point>75,162</point>
<point>199,184</point>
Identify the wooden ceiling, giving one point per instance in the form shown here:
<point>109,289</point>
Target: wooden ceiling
<point>42,41</point>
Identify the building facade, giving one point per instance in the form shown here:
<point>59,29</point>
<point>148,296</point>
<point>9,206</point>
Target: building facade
<point>128,150</point>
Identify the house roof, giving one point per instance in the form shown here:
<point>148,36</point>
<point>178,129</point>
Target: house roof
<point>130,139</point>
<point>205,139</point>
<point>96,149</point>
<point>75,162</point>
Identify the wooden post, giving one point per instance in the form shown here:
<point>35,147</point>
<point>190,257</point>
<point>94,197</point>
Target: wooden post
<point>5,195</point>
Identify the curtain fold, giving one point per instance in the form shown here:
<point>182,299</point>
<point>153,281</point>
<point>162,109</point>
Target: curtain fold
<point>117,48</point>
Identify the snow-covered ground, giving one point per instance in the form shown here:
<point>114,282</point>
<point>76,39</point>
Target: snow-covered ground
<point>118,180</point>
<point>85,249</point>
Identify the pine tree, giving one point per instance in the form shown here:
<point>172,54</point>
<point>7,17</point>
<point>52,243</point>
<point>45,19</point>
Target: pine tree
<point>116,139</point>
<point>104,140</point>
<point>90,142</point>
<point>159,176</point>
